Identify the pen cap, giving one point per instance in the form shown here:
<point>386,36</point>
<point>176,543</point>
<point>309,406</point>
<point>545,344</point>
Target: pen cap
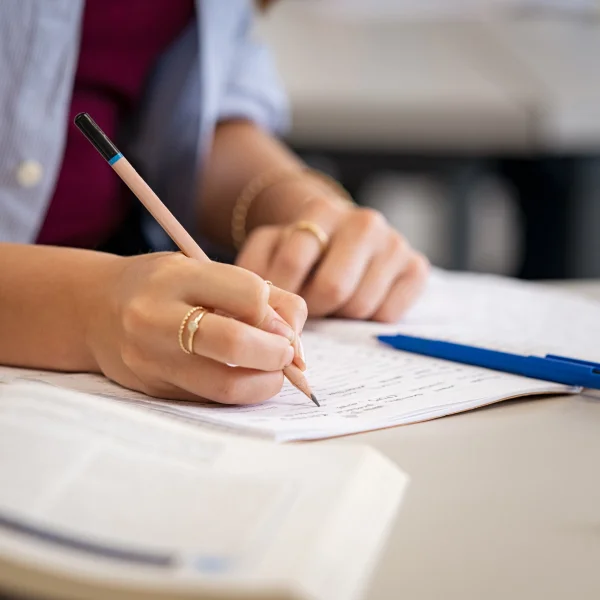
<point>96,136</point>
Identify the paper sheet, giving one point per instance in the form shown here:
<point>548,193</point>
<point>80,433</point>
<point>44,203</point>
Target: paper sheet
<point>494,312</point>
<point>100,500</point>
<point>78,460</point>
<point>363,385</point>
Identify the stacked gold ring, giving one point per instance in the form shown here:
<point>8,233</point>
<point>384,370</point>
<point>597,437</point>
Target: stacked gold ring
<point>192,327</point>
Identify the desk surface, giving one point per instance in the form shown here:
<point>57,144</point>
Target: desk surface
<point>504,503</point>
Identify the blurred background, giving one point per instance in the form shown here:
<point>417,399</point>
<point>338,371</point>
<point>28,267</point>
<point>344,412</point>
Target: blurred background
<point>474,125</point>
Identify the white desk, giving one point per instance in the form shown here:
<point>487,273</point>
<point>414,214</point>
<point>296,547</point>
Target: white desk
<point>389,83</point>
<point>504,503</point>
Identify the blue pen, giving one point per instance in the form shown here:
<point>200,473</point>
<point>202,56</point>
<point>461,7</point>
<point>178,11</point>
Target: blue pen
<point>568,371</point>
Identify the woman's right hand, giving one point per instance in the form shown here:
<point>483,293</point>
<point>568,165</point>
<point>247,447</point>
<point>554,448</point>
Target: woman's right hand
<point>133,333</point>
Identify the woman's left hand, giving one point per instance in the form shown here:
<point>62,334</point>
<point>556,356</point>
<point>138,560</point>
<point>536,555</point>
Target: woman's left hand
<point>365,270</point>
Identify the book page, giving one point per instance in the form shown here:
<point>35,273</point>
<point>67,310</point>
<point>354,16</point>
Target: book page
<point>95,459</point>
<point>97,492</point>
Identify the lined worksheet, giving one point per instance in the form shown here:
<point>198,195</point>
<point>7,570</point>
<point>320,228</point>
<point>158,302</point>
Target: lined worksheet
<point>363,385</point>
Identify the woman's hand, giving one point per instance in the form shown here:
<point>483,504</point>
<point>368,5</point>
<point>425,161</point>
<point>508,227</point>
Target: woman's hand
<point>367,270</point>
<point>133,333</point>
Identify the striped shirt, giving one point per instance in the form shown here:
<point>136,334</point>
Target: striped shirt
<point>215,70</point>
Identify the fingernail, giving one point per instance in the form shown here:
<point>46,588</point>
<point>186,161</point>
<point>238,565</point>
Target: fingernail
<point>289,356</point>
<point>300,359</point>
<point>280,328</point>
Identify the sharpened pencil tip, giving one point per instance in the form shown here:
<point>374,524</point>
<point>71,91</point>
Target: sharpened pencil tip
<point>314,399</point>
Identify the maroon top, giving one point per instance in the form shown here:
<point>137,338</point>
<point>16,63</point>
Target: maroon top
<point>120,43</point>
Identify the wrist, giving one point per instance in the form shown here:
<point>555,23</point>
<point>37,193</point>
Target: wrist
<point>290,199</point>
<point>95,300</point>
<point>320,204</point>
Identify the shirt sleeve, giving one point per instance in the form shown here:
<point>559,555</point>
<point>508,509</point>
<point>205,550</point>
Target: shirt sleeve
<point>253,89</point>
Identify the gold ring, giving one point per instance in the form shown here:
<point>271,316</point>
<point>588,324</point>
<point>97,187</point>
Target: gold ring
<point>193,327</point>
<point>315,230</point>
<point>184,321</point>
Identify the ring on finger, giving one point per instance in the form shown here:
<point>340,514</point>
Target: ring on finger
<point>183,325</point>
<point>193,327</point>
<point>315,230</point>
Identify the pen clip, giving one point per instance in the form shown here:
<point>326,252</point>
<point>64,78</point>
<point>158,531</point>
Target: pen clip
<point>595,367</point>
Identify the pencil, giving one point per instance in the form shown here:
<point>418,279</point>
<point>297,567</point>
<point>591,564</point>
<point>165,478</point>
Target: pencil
<point>174,229</point>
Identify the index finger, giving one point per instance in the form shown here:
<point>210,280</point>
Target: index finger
<point>234,291</point>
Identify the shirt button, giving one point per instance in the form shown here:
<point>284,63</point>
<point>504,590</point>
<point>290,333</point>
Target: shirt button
<point>29,173</point>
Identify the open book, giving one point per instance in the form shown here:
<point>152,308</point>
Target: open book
<point>363,385</point>
<point>101,500</point>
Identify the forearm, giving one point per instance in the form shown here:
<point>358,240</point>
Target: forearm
<point>47,298</point>
<point>242,151</point>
